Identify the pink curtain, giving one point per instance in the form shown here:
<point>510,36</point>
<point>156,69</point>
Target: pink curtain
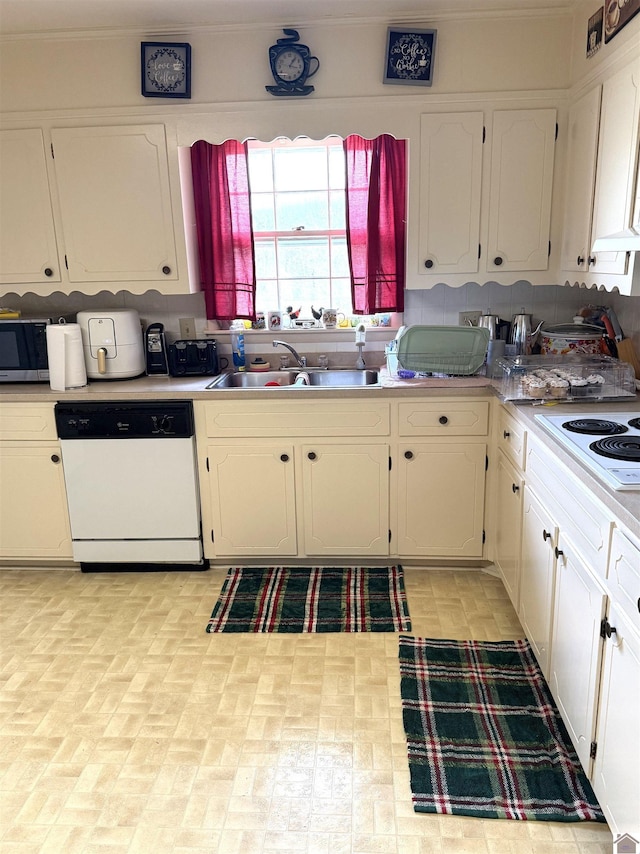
<point>223,225</point>
<point>376,221</point>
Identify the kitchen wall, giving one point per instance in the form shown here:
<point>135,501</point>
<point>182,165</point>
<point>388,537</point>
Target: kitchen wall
<point>93,76</point>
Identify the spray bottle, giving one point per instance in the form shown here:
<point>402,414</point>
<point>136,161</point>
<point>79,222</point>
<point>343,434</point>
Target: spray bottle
<point>237,345</point>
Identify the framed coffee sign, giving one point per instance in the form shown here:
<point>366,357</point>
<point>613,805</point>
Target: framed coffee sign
<point>617,14</point>
<point>165,69</point>
<point>410,55</point>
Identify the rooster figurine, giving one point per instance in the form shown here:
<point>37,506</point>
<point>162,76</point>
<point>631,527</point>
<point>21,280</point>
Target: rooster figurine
<point>317,313</point>
<point>293,314</point>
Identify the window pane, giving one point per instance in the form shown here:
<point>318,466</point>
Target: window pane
<point>260,171</point>
<point>305,293</point>
<point>262,213</point>
<point>336,168</point>
<point>341,296</point>
<point>337,207</point>
<point>339,258</point>
<point>300,168</point>
<point>301,209</point>
<point>267,296</point>
<point>303,258</point>
<point>266,266</point>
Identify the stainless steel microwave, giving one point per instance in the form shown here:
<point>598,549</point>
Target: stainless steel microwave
<point>23,350</point>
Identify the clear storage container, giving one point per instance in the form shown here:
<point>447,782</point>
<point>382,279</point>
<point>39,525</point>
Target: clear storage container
<point>566,378</point>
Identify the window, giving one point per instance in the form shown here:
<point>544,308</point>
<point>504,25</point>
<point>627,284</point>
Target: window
<point>299,224</point>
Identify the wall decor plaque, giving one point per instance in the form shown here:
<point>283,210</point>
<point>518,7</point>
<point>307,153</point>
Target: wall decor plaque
<point>594,32</point>
<point>617,14</point>
<point>410,56</point>
<point>165,69</point>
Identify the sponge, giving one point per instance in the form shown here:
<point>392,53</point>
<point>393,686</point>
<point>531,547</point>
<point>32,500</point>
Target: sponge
<point>259,364</point>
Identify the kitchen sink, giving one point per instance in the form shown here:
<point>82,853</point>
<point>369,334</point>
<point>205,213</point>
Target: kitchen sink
<point>334,378</point>
<point>342,378</point>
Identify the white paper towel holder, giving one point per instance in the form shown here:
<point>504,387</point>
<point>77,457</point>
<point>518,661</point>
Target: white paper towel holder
<point>65,354</point>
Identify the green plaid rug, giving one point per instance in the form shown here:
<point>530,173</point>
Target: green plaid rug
<point>484,735</point>
<point>318,599</point>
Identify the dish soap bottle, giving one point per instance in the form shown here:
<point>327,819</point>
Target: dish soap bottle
<point>237,345</point>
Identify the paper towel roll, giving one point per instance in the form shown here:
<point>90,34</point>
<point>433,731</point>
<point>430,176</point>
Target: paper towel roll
<point>65,354</point>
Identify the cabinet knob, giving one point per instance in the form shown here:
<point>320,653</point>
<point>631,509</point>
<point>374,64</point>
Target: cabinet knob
<point>579,260</point>
<point>166,270</point>
<point>284,458</point>
<point>55,458</point>
<point>443,419</point>
<point>505,434</point>
<point>497,261</point>
<point>609,629</point>
<point>312,455</point>
<point>428,263</point>
<point>48,272</point>
<point>546,535</point>
<point>558,552</point>
<point>515,488</point>
<point>591,259</point>
<point>408,455</point>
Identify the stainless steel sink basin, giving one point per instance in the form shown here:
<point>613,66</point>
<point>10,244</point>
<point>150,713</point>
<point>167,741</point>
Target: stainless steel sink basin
<point>317,378</point>
<point>253,379</point>
<point>342,378</point>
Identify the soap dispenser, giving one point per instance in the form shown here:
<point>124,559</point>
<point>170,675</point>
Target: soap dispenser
<point>360,341</point>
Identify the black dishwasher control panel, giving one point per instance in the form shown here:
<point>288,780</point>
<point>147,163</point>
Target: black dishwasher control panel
<point>125,420</point>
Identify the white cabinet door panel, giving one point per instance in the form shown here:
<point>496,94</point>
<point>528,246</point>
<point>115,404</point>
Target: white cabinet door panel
<point>115,200</point>
<point>450,182</point>
<point>28,250</point>
<point>522,155</point>
<point>576,647</point>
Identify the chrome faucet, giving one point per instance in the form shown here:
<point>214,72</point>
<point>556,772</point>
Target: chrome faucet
<point>301,360</point>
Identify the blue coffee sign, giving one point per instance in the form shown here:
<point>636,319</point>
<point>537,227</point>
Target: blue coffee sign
<point>410,56</point>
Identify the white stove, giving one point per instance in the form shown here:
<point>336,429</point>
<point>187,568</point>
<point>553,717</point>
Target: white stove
<point>608,443</point>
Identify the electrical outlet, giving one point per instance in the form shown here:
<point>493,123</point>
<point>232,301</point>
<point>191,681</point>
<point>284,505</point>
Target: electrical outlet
<point>187,327</point>
<point>469,317</point>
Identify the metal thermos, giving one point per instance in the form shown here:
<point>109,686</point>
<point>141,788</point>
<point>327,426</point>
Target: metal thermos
<point>522,337</point>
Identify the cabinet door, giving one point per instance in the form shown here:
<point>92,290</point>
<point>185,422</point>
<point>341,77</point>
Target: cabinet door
<point>440,496</point>
<point>34,521</point>
<point>617,152</point>
<point>584,120</point>
<point>522,155</point>
<point>28,251</point>
<point>450,186</point>
<point>252,497</point>
<point>113,184</point>
<point>537,578</point>
<point>576,648</point>
<point>509,489</point>
<point>346,499</point>
<point>616,777</point>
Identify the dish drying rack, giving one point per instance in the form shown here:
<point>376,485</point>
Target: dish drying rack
<point>442,350</point>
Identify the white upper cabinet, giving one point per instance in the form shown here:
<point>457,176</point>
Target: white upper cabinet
<point>90,209</point>
<point>582,151</point>
<point>115,202</point>
<point>505,235</point>
<point>601,183</point>
<point>522,155</point>
<point>28,250</point>
<point>451,183</point>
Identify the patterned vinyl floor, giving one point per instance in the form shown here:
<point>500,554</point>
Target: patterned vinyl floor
<point>125,728</point>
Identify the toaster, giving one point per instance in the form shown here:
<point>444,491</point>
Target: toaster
<point>193,357</point>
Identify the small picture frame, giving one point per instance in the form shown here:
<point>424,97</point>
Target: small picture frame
<point>165,69</point>
<point>410,55</point>
<point>594,32</point>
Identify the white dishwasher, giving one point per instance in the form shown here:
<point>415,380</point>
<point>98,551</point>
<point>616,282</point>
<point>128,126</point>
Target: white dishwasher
<point>132,485</point>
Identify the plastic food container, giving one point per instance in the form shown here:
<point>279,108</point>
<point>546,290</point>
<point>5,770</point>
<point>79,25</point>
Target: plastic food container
<point>528,379</point>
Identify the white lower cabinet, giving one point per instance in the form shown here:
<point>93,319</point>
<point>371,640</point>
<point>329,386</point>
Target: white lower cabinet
<point>440,498</point>
<point>509,486</point>
<point>252,499</point>
<point>616,776</point>
<point>575,654</point>
<point>345,499</point>
<point>34,521</point>
<point>537,577</point>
